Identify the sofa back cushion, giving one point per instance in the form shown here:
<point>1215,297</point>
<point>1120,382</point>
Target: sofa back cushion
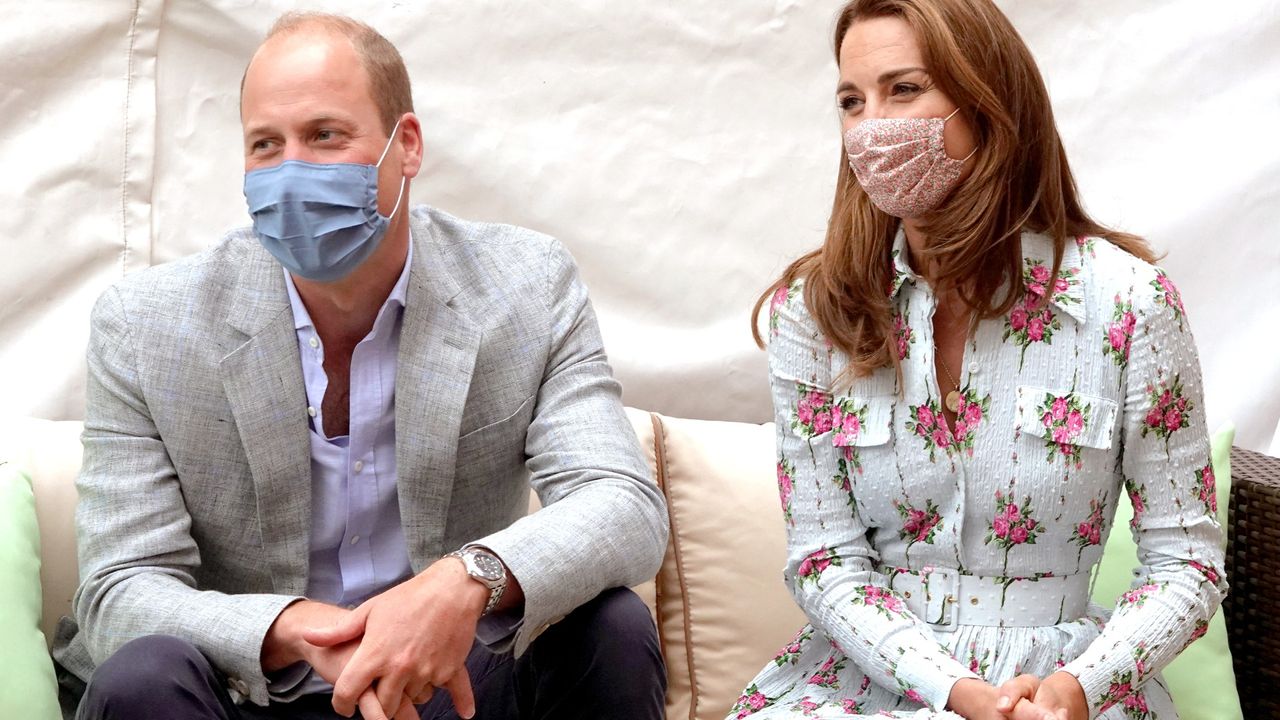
<point>723,609</point>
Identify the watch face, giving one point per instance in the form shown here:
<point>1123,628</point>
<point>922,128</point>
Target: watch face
<point>489,566</point>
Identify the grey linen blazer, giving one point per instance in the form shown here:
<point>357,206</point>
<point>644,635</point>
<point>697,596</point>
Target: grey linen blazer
<point>195,494</point>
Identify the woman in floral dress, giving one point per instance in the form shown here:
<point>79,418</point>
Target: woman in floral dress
<point>966,376</point>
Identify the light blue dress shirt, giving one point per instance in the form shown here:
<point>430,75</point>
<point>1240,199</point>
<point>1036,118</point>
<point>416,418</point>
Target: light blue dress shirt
<point>357,540</point>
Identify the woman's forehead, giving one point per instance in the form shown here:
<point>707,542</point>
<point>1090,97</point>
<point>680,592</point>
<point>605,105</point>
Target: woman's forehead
<point>879,42</point>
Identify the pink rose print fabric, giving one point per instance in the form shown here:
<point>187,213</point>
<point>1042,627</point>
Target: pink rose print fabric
<point>902,334</point>
<point>780,297</point>
<point>1089,386</point>
<point>1168,295</point>
<point>1169,409</point>
<point>1119,332</point>
<point>785,488</point>
<point>1064,418</point>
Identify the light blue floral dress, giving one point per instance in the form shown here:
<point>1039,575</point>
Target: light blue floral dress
<point>989,530</point>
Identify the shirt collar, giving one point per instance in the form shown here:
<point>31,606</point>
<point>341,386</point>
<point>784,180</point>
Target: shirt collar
<point>395,300</point>
<point>1037,261</point>
<point>902,272</point>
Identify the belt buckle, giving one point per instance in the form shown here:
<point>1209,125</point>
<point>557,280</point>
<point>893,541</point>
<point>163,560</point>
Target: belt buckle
<point>942,586</point>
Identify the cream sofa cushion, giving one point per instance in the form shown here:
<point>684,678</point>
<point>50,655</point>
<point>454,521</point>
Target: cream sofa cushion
<point>723,609</point>
<point>719,601</point>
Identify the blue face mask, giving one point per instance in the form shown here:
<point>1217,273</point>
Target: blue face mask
<point>319,220</point>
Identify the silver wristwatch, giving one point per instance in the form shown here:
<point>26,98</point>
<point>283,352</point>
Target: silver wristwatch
<point>486,568</point>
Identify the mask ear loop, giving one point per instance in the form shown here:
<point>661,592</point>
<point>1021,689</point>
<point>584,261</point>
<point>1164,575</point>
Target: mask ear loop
<point>385,150</point>
<point>975,149</point>
<point>398,197</point>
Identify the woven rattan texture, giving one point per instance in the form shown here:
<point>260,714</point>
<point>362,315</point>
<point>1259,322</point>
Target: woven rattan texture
<point>1253,568</point>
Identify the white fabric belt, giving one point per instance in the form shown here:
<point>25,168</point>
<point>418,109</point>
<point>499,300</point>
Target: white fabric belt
<point>947,599</point>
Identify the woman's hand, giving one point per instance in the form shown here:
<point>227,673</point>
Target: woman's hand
<point>1062,693</point>
<point>974,699</point>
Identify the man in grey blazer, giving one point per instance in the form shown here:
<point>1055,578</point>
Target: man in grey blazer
<point>287,432</point>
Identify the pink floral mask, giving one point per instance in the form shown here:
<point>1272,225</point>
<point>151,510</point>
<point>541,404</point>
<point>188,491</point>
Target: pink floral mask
<point>902,164</point>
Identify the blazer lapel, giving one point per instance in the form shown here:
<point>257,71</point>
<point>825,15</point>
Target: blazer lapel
<point>438,347</point>
<point>263,382</point>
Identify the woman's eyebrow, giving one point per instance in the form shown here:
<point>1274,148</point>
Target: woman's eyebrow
<point>884,78</point>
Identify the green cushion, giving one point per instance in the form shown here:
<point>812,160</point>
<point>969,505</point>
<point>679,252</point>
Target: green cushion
<point>1201,680</point>
<point>27,686</point>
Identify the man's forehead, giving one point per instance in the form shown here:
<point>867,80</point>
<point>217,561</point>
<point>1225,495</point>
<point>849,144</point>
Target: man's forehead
<point>304,75</point>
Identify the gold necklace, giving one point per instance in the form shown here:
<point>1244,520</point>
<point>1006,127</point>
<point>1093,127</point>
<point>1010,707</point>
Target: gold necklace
<point>952,398</point>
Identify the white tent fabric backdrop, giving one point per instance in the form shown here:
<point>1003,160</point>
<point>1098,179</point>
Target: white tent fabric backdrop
<point>683,151</point>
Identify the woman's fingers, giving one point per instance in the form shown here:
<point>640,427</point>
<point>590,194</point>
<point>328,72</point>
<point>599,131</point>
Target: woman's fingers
<point>1020,688</point>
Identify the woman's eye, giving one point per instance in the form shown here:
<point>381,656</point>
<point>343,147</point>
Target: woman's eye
<point>905,89</point>
<point>849,103</point>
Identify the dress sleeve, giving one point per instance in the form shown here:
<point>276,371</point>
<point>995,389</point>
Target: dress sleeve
<point>1170,481</point>
<point>831,565</point>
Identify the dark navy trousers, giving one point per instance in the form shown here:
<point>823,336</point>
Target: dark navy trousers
<point>602,661</point>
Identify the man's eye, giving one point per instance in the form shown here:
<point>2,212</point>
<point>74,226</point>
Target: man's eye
<point>325,135</point>
<point>260,145</point>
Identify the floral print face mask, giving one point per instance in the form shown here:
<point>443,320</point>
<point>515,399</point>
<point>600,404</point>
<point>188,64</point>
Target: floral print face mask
<point>902,163</point>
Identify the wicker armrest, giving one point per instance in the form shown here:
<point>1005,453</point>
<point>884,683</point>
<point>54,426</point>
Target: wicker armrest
<point>1252,607</point>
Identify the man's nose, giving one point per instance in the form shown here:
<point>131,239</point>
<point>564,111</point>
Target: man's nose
<point>295,150</point>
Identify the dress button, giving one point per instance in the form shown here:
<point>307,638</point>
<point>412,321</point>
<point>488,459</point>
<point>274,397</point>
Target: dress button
<point>359,466</point>
<point>973,368</point>
<point>311,411</point>
<point>355,539</point>
<point>314,342</point>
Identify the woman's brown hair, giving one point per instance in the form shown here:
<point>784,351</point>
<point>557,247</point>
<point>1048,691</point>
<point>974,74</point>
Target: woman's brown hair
<point>1020,181</point>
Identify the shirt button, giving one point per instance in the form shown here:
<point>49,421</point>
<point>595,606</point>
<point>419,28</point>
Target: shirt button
<point>311,411</point>
<point>355,539</point>
<point>359,466</point>
<point>973,368</point>
<point>313,342</point>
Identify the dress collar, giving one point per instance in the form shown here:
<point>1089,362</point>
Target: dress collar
<point>1037,261</point>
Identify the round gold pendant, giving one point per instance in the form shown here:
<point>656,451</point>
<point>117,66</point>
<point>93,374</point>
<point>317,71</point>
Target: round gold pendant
<point>953,401</point>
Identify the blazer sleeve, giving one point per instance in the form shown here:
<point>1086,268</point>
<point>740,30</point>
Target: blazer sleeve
<point>136,554</point>
<point>604,522</point>
<point>831,565</point>
<point>1169,478</point>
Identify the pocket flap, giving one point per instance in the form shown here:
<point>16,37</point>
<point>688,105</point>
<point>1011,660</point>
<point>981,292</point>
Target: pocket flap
<point>861,421</point>
<point>1066,417</point>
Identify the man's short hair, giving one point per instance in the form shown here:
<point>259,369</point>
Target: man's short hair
<point>388,78</point>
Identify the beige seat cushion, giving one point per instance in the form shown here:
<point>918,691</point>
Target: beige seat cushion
<point>722,606</point>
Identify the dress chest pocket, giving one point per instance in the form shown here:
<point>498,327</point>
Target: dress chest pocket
<point>1065,421</point>
<point>861,430</point>
<point>861,421</point>
<point>862,417</point>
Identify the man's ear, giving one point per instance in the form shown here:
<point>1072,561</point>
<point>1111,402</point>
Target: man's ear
<point>411,144</point>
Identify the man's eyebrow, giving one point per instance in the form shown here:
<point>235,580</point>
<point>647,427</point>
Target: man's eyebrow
<point>329,120</point>
<point>884,78</point>
<point>319,120</point>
